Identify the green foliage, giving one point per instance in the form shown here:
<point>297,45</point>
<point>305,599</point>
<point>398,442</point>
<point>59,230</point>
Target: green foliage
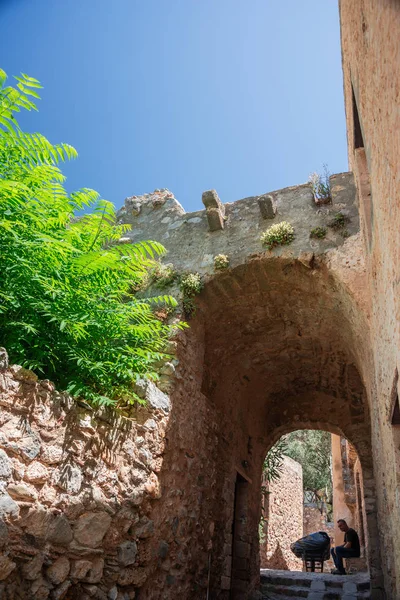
<point>163,275</point>
<point>318,232</point>
<point>67,309</point>
<point>280,234</point>
<point>273,463</point>
<point>339,221</point>
<point>312,449</point>
<point>221,262</point>
<point>321,186</point>
<point>190,285</point>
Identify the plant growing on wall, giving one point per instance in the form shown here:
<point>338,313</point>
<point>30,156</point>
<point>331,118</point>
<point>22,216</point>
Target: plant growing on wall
<point>221,262</point>
<point>321,187</point>
<point>279,234</point>
<point>191,284</point>
<point>318,233</point>
<point>339,221</point>
<point>67,309</point>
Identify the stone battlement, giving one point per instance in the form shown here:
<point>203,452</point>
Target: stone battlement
<point>234,229</point>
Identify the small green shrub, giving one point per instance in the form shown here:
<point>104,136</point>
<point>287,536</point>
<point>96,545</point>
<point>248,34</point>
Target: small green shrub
<point>164,275</point>
<point>318,232</point>
<point>280,234</point>
<point>221,261</point>
<point>191,284</point>
<point>339,221</point>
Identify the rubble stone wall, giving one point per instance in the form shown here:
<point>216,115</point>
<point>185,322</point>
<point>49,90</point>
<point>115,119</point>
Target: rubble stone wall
<point>284,519</point>
<point>76,492</point>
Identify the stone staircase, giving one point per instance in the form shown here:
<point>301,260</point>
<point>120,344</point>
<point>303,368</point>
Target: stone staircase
<point>290,585</point>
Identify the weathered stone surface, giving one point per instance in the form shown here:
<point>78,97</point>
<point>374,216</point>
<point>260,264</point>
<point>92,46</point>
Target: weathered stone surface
<point>61,591</point>
<point>36,473</point>
<point>59,531</point>
<point>267,206</point>
<point>8,506</point>
<point>3,533</point>
<point>70,479</point>
<point>3,359</point>
<point>95,573</point>
<point>126,553</point>
<point>132,576</point>
<point>156,398</point>
<point>145,528</point>
<point>6,566</point>
<point>113,593</point>
<point>29,446</point>
<point>80,569</point>
<point>59,570</point>
<point>20,491</point>
<point>215,219</point>
<point>33,568</point>
<point>51,455</point>
<point>5,465</point>
<point>283,505</point>
<point>91,527</point>
<point>41,589</point>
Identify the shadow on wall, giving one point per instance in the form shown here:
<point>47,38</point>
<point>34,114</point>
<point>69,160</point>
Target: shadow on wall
<point>276,561</point>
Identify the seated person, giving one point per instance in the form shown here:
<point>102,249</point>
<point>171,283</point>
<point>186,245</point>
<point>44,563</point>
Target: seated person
<point>350,548</point>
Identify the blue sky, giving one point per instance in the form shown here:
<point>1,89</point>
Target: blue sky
<point>243,97</point>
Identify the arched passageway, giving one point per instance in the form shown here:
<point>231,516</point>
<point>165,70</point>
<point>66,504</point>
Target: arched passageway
<point>281,353</point>
<point>311,478</point>
<point>276,345</point>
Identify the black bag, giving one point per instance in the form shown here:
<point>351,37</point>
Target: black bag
<point>315,546</point>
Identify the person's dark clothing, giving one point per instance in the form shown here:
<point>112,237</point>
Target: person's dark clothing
<point>352,537</point>
<point>340,552</point>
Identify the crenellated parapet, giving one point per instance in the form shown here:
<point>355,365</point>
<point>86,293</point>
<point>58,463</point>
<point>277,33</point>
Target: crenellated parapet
<point>234,229</point>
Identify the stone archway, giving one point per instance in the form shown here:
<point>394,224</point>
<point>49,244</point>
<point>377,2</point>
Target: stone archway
<point>275,346</point>
<point>281,354</point>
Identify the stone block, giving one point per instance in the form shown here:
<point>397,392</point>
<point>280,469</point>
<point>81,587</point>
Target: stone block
<point>95,573</point>
<point>211,199</point>
<point>215,219</point>
<point>215,210</point>
<point>59,570</point>
<point>267,206</point>
<point>91,527</point>
<point>126,553</point>
<point>355,565</point>
<point>59,531</point>
<point>5,465</point>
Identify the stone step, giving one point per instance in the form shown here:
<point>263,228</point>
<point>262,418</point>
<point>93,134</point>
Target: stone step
<point>293,591</point>
<point>279,593</point>
<point>286,585</point>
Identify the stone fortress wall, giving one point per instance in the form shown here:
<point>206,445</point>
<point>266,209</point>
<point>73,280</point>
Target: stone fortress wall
<point>194,239</point>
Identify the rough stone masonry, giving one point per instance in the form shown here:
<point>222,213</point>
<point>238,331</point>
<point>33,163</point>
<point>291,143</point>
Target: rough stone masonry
<point>166,504</point>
